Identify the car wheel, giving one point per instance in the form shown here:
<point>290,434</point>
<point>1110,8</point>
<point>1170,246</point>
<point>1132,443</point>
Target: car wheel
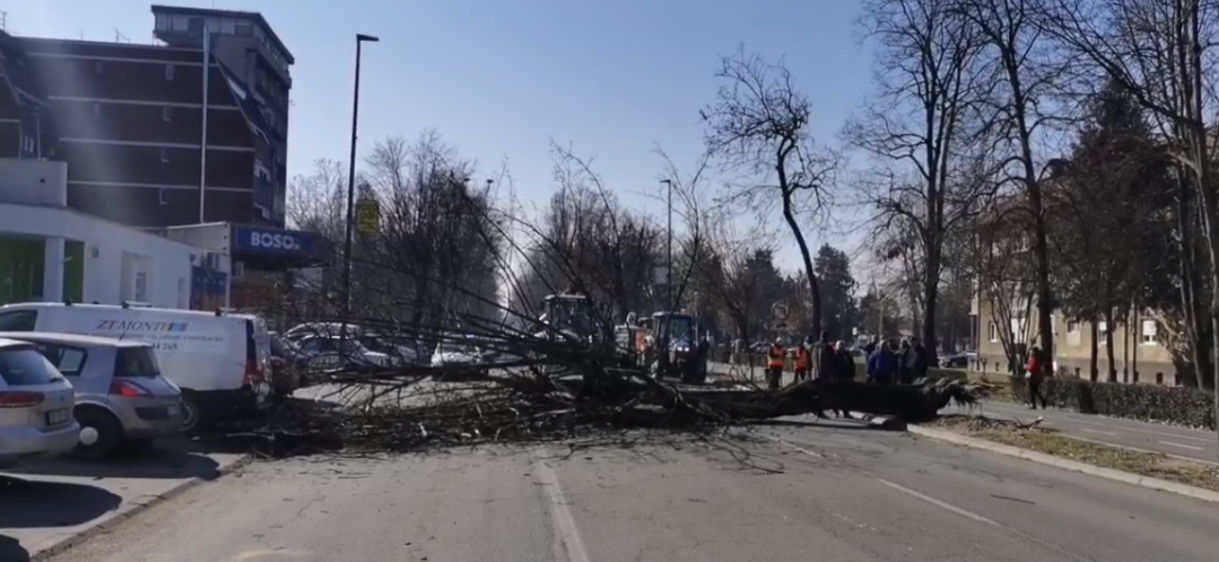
<point>192,414</point>
<point>100,434</point>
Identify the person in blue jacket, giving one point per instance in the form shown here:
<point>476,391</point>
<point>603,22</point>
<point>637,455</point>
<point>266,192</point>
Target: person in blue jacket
<point>882,364</point>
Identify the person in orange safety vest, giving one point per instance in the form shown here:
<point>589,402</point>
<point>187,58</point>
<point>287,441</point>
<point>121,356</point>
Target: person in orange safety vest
<point>776,359</point>
<point>804,363</point>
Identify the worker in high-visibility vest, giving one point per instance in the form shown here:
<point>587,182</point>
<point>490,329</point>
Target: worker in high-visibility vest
<point>804,362</point>
<point>776,359</point>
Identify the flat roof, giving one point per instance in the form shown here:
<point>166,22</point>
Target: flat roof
<point>235,14</point>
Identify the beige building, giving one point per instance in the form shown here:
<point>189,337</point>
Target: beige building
<point>1138,355</point>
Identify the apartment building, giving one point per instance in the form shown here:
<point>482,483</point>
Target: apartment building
<point>133,120</point>
<point>1138,354</point>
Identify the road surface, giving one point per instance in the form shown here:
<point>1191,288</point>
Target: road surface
<point>789,493</point>
<point>1167,439</point>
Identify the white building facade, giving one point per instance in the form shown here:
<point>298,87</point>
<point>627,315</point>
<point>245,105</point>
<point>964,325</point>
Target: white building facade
<point>49,252</point>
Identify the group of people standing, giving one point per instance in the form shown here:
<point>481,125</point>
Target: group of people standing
<point>890,362</point>
<point>820,358</point>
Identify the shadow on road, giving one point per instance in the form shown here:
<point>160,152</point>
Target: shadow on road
<point>156,464</point>
<point>12,551</point>
<point>32,504</point>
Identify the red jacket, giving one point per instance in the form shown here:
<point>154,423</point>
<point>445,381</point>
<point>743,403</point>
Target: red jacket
<point>1034,368</point>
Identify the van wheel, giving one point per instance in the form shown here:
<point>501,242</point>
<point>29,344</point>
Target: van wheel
<point>192,414</point>
<point>100,434</point>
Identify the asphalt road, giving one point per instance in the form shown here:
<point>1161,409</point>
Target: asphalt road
<point>1179,441</point>
<point>789,493</point>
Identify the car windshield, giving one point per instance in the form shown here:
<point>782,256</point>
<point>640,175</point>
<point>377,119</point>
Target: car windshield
<point>24,366</point>
<point>136,362</point>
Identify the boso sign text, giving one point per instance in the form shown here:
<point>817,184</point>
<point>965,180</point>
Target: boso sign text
<point>271,241</point>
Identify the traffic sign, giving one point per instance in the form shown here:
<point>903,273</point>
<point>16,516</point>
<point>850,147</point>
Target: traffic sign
<point>779,311</point>
<point>368,216</point>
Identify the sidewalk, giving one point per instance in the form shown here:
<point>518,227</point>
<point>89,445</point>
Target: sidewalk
<point>1170,440</point>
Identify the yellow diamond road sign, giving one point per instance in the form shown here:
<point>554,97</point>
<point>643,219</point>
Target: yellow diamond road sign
<point>368,216</point>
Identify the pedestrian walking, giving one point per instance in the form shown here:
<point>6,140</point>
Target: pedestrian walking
<point>1036,375</point>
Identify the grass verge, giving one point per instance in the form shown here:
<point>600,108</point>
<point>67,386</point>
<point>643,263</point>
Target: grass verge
<point>1049,442</point>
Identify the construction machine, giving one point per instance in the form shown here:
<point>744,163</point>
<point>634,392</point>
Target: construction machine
<point>670,346</point>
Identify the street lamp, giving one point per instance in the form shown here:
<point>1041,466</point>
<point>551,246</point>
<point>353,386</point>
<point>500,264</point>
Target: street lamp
<point>351,192</point>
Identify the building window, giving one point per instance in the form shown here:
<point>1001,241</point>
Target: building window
<point>1073,326</point>
<point>98,68</point>
<point>97,109</point>
<point>1149,332</point>
<point>164,155</point>
<point>141,286</point>
<point>992,332</point>
<point>243,29</point>
<point>169,72</point>
<point>181,23</point>
<point>167,113</point>
<point>162,196</point>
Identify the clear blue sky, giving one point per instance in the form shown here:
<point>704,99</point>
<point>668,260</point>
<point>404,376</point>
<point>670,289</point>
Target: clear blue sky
<point>500,78</point>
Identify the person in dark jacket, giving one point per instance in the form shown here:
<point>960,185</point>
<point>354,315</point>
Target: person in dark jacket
<point>922,359</point>
<point>844,361</point>
<point>882,364</point>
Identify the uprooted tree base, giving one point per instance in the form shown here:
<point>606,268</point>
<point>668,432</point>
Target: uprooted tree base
<point>415,409</point>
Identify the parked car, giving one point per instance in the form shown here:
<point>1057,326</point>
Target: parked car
<point>122,399</point>
<point>36,404</point>
<point>455,351</point>
<point>330,352</point>
<point>289,366</point>
<point>220,360</point>
<point>400,349</point>
<point>955,361</point>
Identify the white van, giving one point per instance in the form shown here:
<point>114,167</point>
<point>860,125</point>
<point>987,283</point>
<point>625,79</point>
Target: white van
<point>221,361</point>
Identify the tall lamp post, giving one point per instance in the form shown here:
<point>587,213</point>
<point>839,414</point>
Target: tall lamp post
<point>351,194</point>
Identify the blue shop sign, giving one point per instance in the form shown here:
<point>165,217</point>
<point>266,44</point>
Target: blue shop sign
<point>271,241</point>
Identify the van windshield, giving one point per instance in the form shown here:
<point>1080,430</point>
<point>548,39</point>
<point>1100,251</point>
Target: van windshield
<point>136,362</point>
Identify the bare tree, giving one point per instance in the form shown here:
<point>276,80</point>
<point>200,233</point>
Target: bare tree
<point>1025,76</point>
<point>995,253</point>
<point>928,75</point>
<point>759,125</point>
<point>1163,53</point>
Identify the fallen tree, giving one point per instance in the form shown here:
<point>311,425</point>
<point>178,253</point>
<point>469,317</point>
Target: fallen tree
<point>416,408</point>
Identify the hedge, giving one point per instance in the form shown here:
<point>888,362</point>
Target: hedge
<point>1179,405</point>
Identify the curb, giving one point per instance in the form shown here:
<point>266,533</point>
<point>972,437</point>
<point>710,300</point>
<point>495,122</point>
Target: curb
<point>1067,464</point>
<point>57,544</point>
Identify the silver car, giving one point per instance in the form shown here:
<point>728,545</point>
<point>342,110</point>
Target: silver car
<point>122,399</point>
<point>36,404</point>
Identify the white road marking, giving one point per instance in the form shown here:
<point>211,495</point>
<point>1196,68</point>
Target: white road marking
<point>795,448</point>
<point>568,544</point>
<point>1183,446</point>
<point>1116,423</point>
<point>938,503</point>
<point>1098,432</point>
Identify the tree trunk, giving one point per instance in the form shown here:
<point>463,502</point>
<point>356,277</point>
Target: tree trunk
<point>814,290</point>
<point>1109,345</point>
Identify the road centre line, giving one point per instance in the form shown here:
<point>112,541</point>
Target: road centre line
<point>1183,446</point>
<point>568,544</point>
<point>939,503</point>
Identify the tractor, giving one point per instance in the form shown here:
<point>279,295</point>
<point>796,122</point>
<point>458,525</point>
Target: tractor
<point>669,346</point>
